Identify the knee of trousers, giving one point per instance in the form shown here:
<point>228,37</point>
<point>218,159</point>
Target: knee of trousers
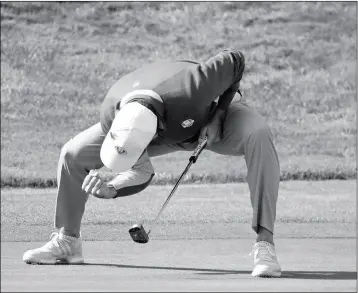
<point>260,132</point>
<point>70,155</point>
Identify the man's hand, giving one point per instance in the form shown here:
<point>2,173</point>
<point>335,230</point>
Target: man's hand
<point>94,185</point>
<point>213,130</point>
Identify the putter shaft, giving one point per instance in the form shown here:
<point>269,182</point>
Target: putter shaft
<point>172,192</point>
<point>192,160</point>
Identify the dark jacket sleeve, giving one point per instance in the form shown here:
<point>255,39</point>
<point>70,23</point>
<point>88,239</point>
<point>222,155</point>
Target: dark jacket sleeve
<point>208,80</point>
<point>239,65</point>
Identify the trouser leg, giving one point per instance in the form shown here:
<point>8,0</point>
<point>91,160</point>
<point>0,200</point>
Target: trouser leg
<point>78,156</point>
<point>245,133</point>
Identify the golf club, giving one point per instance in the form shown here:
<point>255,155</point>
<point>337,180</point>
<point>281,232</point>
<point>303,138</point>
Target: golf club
<point>137,231</point>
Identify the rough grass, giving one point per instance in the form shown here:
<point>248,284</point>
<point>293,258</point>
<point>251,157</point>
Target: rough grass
<point>58,60</point>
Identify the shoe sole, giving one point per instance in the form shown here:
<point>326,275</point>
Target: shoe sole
<point>62,261</point>
<point>269,275</point>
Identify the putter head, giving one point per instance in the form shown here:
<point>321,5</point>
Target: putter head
<point>138,234</point>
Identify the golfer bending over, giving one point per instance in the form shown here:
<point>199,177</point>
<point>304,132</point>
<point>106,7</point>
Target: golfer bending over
<point>157,109</point>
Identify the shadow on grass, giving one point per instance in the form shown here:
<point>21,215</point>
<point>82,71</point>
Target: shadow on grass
<point>308,275</point>
<point>322,275</point>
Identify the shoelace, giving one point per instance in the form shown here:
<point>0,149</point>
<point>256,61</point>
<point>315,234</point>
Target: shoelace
<point>53,241</point>
<point>53,238</point>
<point>56,242</point>
<point>264,252</point>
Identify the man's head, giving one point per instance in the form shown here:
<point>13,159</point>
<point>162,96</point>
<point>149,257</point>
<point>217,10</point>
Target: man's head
<point>133,128</point>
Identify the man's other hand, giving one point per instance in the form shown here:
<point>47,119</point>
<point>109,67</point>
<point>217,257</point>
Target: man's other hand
<point>213,130</point>
<point>94,185</point>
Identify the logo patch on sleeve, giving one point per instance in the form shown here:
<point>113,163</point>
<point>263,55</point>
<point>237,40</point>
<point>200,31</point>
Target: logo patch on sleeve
<point>187,123</point>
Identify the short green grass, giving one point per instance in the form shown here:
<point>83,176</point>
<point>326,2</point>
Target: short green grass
<point>304,209</point>
<point>58,60</point>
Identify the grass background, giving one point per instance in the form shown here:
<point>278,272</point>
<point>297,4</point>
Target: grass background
<point>58,61</point>
<point>305,209</point>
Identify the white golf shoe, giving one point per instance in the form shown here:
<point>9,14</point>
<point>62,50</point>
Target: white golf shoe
<point>61,249</point>
<point>265,260</point>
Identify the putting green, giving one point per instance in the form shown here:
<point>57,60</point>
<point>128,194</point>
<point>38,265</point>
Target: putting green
<point>304,209</point>
<point>185,265</point>
<point>202,241</point>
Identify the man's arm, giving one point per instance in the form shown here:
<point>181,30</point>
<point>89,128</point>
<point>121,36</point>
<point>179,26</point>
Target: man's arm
<point>213,131</point>
<point>239,65</point>
<point>215,77</point>
<point>226,98</point>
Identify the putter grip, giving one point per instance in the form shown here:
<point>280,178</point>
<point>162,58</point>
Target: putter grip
<point>198,150</point>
